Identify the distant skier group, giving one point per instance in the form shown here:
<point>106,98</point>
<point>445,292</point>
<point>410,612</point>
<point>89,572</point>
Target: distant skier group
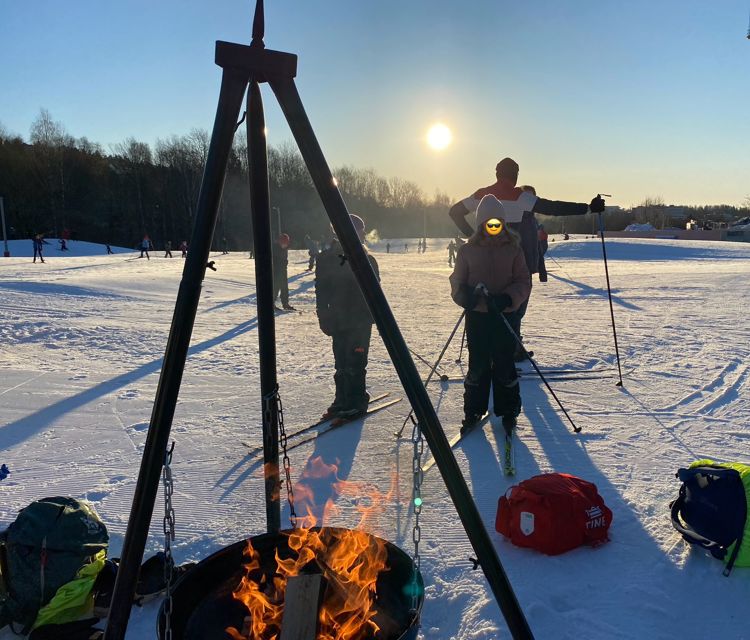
<point>147,245</point>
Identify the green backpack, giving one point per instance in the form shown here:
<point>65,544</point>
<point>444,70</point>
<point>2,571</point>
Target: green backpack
<point>43,549</point>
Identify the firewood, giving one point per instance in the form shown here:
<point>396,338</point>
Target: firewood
<point>302,599</point>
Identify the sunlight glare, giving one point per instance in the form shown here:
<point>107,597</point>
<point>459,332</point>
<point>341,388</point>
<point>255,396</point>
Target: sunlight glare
<point>439,136</point>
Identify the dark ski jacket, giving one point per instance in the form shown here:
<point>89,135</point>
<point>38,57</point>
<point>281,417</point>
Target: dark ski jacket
<point>280,256</point>
<point>339,302</point>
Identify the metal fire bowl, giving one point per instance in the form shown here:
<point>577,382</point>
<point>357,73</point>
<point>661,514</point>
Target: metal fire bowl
<point>203,605</point>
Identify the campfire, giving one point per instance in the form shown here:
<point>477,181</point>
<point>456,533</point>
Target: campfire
<point>349,562</point>
<point>345,562</point>
<point>323,582</point>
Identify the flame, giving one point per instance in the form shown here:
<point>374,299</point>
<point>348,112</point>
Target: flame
<point>349,560</point>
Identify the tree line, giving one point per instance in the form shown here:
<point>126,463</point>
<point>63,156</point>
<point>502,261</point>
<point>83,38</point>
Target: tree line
<point>55,182</point>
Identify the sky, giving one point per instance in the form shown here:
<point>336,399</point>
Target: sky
<point>637,99</point>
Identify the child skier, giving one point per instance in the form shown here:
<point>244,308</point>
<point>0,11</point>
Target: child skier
<point>343,314</point>
<point>490,276</point>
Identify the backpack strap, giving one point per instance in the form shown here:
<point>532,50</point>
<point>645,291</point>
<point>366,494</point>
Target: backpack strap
<point>717,550</point>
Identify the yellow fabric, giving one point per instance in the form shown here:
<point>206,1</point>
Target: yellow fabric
<point>74,599</point>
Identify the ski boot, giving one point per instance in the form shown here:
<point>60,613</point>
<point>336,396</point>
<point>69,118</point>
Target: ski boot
<point>469,422</point>
<point>509,424</point>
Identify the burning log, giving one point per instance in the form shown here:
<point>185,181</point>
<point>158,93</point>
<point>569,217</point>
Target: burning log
<point>304,594</point>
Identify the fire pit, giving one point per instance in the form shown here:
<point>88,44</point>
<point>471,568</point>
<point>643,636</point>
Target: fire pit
<point>210,601</point>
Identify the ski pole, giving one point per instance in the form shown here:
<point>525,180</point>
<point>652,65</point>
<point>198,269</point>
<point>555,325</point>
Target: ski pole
<point>418,357</point>
<point>495,310</point>
<point>434,368</point>
<point>461,350</point>
<point>609,292</point>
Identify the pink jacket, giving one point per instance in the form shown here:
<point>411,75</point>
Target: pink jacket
<point>497,262</point>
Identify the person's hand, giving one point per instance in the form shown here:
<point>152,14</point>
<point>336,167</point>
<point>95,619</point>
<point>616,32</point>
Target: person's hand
<point>467,297</point>
<point>597,205</point>
<point>502,301</point>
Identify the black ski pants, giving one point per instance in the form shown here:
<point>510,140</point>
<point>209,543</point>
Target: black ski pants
<point>281,286</point>
<point>350,350</point>
<point>490,363</point>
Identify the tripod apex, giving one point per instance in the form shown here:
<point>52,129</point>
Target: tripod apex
<point>259,24</point>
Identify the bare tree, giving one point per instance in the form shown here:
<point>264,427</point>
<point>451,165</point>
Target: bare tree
<point>49,140</point>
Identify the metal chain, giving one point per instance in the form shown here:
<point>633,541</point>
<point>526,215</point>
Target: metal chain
<point>169,534</point>
<point>285,460</point>
<point>417,477</point>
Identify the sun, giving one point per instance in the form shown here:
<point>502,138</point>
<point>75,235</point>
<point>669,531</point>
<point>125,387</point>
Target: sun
<point>439,136</point>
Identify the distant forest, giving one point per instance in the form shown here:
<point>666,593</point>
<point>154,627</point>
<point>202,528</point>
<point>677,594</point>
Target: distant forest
<point>55,182</point>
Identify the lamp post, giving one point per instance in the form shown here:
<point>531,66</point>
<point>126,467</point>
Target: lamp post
<point>6,252</point>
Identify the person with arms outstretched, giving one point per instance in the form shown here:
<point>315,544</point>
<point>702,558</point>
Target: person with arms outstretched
<point>520,206</point>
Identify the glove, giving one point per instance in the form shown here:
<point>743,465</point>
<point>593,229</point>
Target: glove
<point>467,297</point>
<point>502,301</point>
<point>597,205</point>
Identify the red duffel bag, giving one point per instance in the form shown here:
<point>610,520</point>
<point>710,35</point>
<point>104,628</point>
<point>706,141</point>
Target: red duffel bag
<point>553,513</point>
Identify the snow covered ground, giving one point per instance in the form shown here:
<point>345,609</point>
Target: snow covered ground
<point>82,339</point>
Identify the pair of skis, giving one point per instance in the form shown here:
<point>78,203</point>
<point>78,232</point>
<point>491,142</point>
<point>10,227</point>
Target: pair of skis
<point>597,373</point>
<point>509,459</point>
<point>298,438</point>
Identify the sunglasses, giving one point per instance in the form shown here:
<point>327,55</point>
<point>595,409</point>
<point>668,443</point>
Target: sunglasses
<point>494,225</point>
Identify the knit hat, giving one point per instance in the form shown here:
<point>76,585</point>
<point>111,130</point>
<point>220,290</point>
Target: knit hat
<point>489,207</point>
<point>359,225</point>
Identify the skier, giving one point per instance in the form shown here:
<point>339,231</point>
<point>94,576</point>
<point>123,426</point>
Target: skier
<point>39,243</point>
<point>168,249</point>
<point>387,247</point>
<point>490,276</point>
<point>312,252</point>
<point>406,247</point>
<point>280,276</point>
<point>145,246</point>
<point>343,314</point>
<point>224,247</point>
<point>109,249</point>
<point>451,252</point>
<point>520,207</point>
<point>184,248</point>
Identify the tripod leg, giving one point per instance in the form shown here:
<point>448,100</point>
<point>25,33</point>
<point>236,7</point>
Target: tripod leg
<point>291,105</point>
<point>233,85</point>
<point>260,206</point>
